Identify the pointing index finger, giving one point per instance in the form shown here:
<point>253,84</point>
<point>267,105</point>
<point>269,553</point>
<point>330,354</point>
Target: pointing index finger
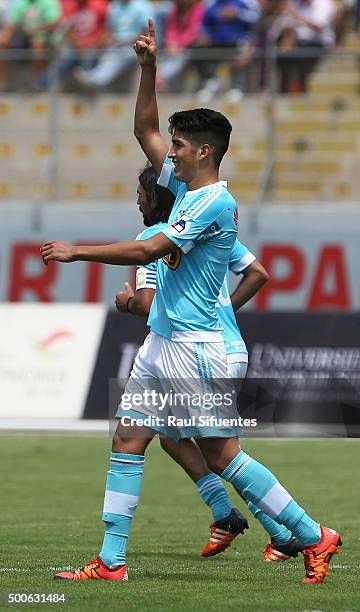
<point>151,28</point>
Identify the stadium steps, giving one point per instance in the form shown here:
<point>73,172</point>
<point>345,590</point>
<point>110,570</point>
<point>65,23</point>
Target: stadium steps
<point>317,140</point>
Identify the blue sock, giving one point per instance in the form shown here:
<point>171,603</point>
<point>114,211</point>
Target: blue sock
<point>279,534</point>
<point>214,494</point>
<point>122,494</point>
<point>256,483</point>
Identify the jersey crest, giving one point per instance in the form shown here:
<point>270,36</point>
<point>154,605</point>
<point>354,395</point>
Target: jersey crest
<point>172,260</point>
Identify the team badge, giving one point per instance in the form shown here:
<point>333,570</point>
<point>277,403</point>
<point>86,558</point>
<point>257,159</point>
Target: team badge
<point>172,260</point>
<point>181,225</point>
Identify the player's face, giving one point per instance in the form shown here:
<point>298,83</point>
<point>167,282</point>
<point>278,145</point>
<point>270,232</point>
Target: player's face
<point>184,157</point>
<point>143,204</point>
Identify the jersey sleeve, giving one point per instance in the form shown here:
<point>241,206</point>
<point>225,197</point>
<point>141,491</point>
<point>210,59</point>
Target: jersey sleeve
<point>240,257</point>
<point>146,276</point>
<point>167,177</point>
<point>199,223</point>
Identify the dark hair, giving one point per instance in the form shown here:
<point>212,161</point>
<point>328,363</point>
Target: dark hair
<point>159,201</point>
<point>202,125</point>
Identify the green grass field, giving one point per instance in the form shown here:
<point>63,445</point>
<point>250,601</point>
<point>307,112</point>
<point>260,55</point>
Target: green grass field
<point>52,490</point>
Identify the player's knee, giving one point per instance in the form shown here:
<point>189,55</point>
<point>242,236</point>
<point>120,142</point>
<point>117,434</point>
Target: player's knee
<point>120,444</point>
<point>128,445</point>
<point>214,464</point>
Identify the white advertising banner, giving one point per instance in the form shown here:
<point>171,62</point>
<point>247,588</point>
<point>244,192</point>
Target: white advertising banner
<point>312,254</point>
<point>47,356</point>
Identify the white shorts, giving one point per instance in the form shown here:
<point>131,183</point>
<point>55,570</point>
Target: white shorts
<point>166,381</point>
<point>161,358</point>
<point>237,370</point>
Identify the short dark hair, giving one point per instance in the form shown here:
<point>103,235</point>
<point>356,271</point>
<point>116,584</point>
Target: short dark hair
<point>202,125</point>
<point>159,200</point>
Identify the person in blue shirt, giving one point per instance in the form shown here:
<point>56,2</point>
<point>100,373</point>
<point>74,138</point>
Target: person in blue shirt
<point>227,24</point>
<point>126,20</point>
<point>155,203</point>
<point>185,349</point>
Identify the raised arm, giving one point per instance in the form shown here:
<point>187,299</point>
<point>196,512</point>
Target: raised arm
<point>254,277</point>
<point>133,252</point>
<point>146,121</point>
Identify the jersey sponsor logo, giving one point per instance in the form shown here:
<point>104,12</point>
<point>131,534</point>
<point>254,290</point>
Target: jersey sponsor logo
<point>209,232</point>
<point>236,216</point>
<point>172,260</point>
<point>182,224</point>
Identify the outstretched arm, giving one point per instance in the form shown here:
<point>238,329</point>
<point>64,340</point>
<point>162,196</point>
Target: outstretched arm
<point>254,277</point>
<point>133,252</point>
<point>146,121</point>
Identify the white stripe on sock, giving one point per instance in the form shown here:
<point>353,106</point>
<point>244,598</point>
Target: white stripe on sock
<point>209,487</point>
<point>135,461</point>
<point>120,503</point>
<point>275,500</point>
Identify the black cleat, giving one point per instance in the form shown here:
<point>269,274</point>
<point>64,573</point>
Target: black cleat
<point>281,552</point>
<point>223,532</point>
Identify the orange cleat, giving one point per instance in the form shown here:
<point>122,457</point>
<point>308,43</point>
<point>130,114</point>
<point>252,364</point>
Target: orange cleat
<point>95,570</point>
<point>223,532</point>
<point>278,553</point>
<point>317,556</point>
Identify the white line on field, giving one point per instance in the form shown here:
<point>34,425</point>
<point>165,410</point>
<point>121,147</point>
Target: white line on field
<point>23,570</point>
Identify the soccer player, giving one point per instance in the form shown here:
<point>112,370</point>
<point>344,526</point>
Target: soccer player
<point>155,204</point>
<point>185,343</point>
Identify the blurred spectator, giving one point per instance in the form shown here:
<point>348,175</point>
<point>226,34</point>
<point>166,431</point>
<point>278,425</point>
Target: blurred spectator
<point>307,33</point>
<point>227,24</point>
<point>28,23</point>
<point>182,27</point>
<point>267,31</point>
<point>84,32</point>
<point>127,20</point>
<point>4,21</point>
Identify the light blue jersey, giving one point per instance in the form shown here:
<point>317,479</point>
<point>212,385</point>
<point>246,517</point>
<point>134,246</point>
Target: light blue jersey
<point>203,225</point>
<point>240,259</point>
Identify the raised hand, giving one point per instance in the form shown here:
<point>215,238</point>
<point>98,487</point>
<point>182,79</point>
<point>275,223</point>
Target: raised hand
<point>55,250</point>
<point>145,46</point>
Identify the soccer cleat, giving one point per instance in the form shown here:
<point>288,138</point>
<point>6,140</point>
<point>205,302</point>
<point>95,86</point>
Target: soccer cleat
<point>281,552</point>
<point>223,532</point>
<point>317,556</point>
<point>95,570</point>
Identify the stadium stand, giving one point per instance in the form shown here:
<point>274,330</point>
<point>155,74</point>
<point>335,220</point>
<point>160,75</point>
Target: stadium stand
<point>317,140</point>
<point>81,146</point>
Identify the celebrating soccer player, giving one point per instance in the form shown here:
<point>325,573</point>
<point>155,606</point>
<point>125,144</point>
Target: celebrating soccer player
<point>185,345</point>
